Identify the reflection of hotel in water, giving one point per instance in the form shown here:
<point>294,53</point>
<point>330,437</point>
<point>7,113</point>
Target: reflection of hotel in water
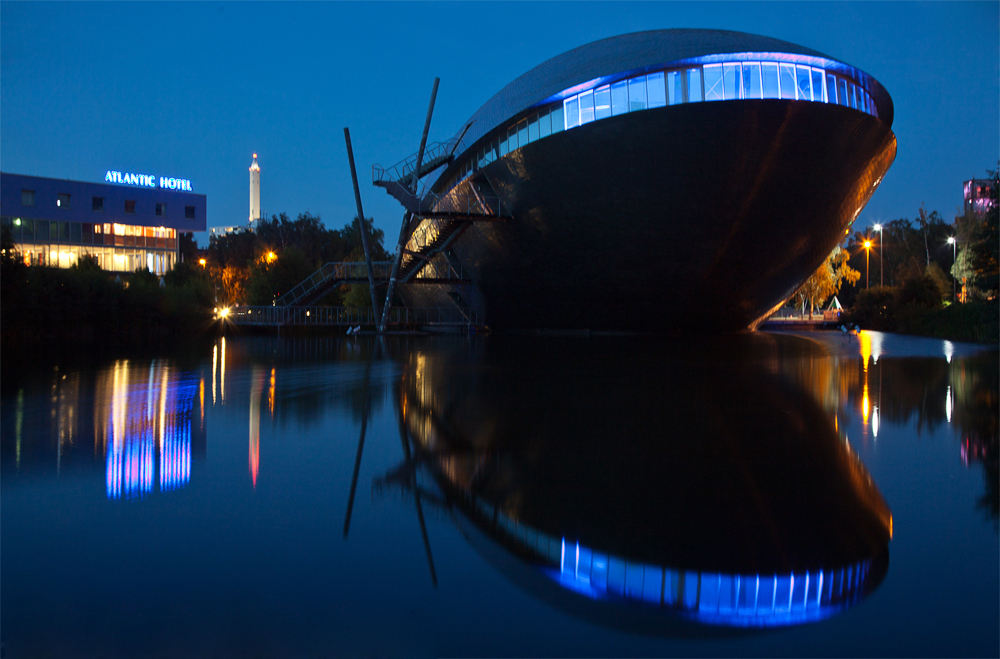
<point>145,421</point>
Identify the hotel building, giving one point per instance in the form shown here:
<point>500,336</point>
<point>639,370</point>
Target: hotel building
<point>130,222</point>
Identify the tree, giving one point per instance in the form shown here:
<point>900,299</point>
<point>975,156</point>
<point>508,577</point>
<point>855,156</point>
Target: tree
<point>271,278</point>
<point>985,248</point>
<point>827,279</point>
<point>187,246</point>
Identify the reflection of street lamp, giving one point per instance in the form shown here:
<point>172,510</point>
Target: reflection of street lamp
<point>868,251</point>
<point>954,257</point>
<point>881,281</point>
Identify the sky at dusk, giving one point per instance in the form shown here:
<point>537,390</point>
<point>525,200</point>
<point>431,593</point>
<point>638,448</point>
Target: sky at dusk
<point>192,90</point>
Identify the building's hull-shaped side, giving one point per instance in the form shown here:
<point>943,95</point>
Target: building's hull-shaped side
<point>705,215</point>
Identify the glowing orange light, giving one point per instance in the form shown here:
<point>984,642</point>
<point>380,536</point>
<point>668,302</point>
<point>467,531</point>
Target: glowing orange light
<point>270,257</point>
<point>865,404</point>
<point>201,262</point>
<point>868,244</point>
<point>270,395</point>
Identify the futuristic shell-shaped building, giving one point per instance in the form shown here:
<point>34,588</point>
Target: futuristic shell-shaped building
<point>656,180</point>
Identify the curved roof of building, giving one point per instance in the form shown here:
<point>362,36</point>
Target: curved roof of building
<point>633,53</point>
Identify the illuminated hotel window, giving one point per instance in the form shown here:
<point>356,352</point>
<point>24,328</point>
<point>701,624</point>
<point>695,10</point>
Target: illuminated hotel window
<point>62,200</point>
<point>161,210</point>
<point>98,203</point>
<point>129,207</point>
<point>189,212</point>
<point>27,197</point>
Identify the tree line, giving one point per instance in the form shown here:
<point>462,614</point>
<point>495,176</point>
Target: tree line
<point>256,267</point>
<point>905,277</point>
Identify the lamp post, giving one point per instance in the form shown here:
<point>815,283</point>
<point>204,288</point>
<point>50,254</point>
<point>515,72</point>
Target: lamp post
<point>954,257</point>
<point>881,281</point>
<point>868,252</point>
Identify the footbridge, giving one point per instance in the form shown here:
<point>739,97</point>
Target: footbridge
<point>400,318</point>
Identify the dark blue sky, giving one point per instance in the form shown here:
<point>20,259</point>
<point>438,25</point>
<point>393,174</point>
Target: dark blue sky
<point>193,89</point>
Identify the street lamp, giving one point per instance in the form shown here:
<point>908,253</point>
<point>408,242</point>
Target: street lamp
<point>881,281</point>
<point>954,257</point>
<point>868,251</point>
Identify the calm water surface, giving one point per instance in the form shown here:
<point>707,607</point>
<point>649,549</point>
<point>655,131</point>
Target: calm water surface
<point>759,495</point>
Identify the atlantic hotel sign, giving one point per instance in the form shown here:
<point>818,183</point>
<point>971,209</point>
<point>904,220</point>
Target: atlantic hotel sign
<point>148,181</point>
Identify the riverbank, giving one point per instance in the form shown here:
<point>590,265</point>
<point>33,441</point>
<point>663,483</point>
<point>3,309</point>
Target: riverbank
<point>44,308</point>
<point>973,322</point>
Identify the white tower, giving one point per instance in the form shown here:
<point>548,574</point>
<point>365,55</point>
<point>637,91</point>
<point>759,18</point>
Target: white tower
<point>254,191</point>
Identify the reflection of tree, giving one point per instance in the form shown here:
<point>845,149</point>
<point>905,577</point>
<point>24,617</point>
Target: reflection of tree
<point>314,376</point>
<point>975,383</point>
<point>911,386</point>
<point>963,393</point>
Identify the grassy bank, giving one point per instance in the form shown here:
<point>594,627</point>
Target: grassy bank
<point>977,322</point>
<point>881,310</point>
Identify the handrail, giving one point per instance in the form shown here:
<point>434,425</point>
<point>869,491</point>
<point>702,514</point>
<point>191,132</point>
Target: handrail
<point>333,270</point>
<point>404,168</point>
<point>349,316</point>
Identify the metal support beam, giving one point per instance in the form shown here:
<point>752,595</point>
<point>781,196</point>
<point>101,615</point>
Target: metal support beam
<point>403,237</point>
<point>361,226</point>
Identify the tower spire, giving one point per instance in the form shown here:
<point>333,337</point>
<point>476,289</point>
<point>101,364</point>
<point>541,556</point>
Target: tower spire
<point>254,191</point>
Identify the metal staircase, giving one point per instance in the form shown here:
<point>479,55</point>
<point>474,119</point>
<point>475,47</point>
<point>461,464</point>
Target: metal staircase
<point>329,276</point>
<point>436,154</point>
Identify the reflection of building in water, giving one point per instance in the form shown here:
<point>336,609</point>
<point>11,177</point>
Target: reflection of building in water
<point>743,600</point>
<point>143,418</point>
<point>256,389</point>
<point>719,495</point>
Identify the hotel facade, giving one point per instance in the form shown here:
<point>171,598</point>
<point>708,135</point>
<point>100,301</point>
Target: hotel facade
<point>129,223</point>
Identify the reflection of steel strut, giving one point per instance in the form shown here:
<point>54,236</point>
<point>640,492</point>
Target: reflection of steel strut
<point>416,497</point>
<point>361,443</point>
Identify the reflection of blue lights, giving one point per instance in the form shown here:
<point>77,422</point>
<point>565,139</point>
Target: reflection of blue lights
<point>147,415</point>
<point>714,598</point>
<point>175,458</point>
<point>735,600</point>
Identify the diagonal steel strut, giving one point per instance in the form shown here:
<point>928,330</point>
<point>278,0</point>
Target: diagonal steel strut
<point>403,237</point>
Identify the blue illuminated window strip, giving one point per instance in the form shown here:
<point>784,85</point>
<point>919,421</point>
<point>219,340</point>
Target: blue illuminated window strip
<point>755,600</point>
<point>711,82</point>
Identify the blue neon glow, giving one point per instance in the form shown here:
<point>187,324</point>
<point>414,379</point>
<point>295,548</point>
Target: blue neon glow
<point>727,76</point>
<point>735,600</point>
<point>149,414</point>
<point>148,180</point>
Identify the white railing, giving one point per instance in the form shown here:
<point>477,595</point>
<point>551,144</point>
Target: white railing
<point>348,316</point>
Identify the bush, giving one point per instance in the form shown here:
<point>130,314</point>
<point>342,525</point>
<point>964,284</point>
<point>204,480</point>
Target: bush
<point>874,308</point>
<point>84,304</point>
